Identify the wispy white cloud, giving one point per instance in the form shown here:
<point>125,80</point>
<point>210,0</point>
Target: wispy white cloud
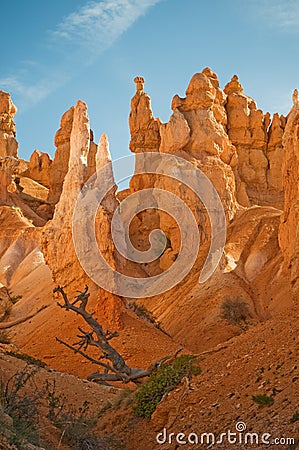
<point>77,40</point>
<point>98,24</point>
<point>281,14</point>
<point>31,93</point>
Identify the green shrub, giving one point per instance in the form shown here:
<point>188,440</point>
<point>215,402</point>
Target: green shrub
<point>165,379</point>
<point>263,400</point>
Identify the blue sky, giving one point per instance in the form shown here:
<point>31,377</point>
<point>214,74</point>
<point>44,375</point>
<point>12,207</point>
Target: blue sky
<point>54,53</point>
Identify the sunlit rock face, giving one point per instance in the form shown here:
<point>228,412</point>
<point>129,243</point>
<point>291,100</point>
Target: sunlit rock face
<point>196,131</point>
<point>57,244</point>
<point>258,141</point>
<point>57,238</point>
<point>8,143</point>
<point>289,228</point>
<point>40,168</point>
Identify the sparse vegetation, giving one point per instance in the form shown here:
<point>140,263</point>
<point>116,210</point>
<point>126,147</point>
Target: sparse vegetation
<point>125,398</point>
<point>76,424</point>
<point>55,402</point>
<point>21,407</point>
<point>164,380</point>
<point>142,312</point>
<point>263,400</point>
<point>78,432</point>
<point>7,300</point>
<point>295,417</point>
<point>4,337</point>
<point>29,359</point>
<point>13,298</point>
<point>5,310</point>
<point>105,408</point>
<point>235,312</point>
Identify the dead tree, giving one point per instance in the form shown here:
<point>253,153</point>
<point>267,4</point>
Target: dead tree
<point>113,365</point>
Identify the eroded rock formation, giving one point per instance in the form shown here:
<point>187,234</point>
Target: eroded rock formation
<point>242,151</point>
<point>40,168</point>
<point>8,143</point>
<point>202,111</point>
<point>17,185</point>
<point>60,165</point>
<point>196,132</point>
<point>57,244</point>
<point>252,161</point>
<point>289,228</point>
<point>259,146</point>
<point>144,128</point>
<point>223,134</point>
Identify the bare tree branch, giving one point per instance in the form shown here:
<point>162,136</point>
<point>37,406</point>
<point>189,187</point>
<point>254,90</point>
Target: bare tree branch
<point>94,361</point>
<point>101,342</point>
<point>116,369</point>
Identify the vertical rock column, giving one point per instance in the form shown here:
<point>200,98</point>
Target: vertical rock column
<point>195,132</point>
<point>109,307</point>
<point>289,228</point>
<point>57,243</point>
<point>8,143</point>
<point>5,180</point>
<point>144,128</point>
<point>197,128</point>
<point>259,147</point>
<point>40,168</point>
<point>60,164</point>
<point>57,239</point>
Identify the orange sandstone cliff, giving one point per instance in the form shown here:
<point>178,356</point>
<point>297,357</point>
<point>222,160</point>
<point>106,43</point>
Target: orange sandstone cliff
<point>252,160</point>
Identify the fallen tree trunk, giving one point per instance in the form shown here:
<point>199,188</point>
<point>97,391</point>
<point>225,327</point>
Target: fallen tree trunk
<point>113,364</point>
